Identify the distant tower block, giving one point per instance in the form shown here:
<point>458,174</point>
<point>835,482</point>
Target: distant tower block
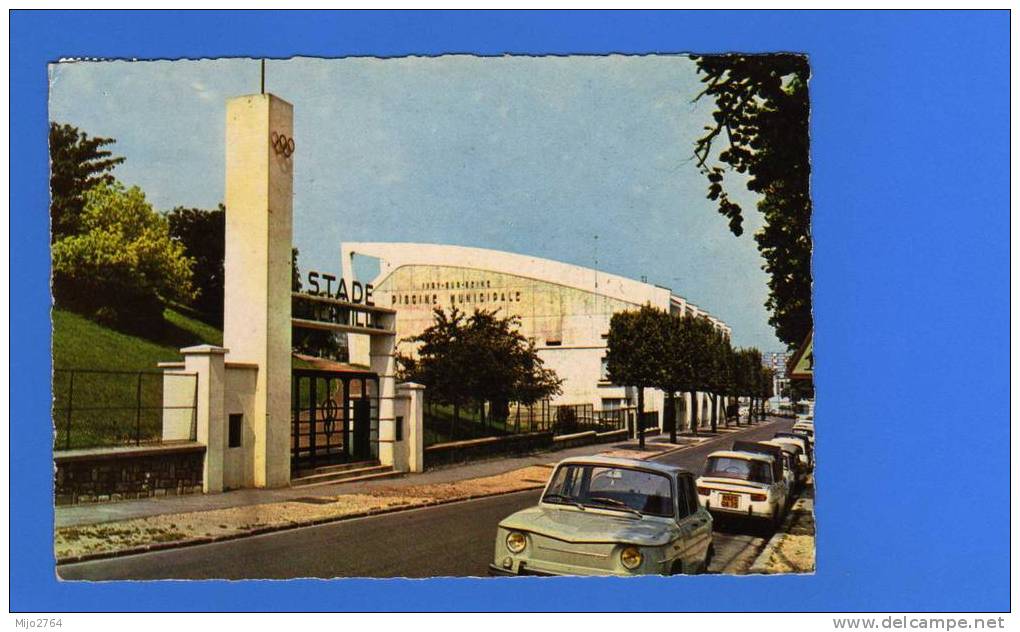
<point>257,266</point>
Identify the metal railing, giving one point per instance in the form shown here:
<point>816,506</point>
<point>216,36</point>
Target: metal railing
<point>105,408</point>
<point>615,418</point>
<point>542,416</point>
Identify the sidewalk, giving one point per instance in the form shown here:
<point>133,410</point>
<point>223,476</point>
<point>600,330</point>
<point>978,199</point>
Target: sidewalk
<point>76,515</point>
<point>104,530</point>
<point>792,548</point>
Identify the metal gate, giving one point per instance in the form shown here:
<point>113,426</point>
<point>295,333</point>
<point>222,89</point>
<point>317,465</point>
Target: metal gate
<point>334,418</point>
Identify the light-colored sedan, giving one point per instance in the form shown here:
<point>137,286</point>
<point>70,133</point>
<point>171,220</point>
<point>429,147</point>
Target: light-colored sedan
<point>807,456</point>
<point>608,516</point>
<point>806,428</point>
<point>793,469</point>
<point>744,484</point>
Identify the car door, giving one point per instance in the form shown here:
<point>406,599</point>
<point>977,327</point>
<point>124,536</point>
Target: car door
<point>780,488</point>
<point>697,522</point>
<point>778,485</point>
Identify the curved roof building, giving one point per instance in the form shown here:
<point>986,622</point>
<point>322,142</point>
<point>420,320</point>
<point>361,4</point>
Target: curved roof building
<point>565,309</point>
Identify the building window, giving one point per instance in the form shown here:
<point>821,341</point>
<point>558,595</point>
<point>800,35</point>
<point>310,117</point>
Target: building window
<point>235,423</point>
<point>612,403</point>
<point>553,343</point>
<point>398,429</point>
<point>604,370</point>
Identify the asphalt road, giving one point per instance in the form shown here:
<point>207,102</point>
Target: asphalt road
<point>449,540</point>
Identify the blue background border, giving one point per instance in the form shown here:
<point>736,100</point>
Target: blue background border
<point>910,147</point>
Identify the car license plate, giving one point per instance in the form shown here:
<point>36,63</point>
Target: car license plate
<point>730,501</point>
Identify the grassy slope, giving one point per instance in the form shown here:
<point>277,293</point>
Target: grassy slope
<point>80,343</point>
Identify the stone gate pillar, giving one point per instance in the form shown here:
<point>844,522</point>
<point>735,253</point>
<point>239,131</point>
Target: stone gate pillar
<point>384,365</point>
<point>257,268</point>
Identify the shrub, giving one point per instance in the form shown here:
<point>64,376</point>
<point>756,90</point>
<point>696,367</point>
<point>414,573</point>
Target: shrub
<point>124,267</point>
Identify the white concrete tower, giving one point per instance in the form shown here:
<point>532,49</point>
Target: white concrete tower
<point>257,268</point>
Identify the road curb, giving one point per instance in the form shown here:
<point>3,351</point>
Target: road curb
<point>196,541</point>
<point>760,565</point>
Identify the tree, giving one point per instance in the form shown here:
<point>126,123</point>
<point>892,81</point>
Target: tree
<point>202,233</point>
<point>701,346</point>
<point>441,363</point>
<point>506,364</point>
<point>482,358</point>
<point>735,380</point>
<point>634,353</point>
<point>748,375</point>
<point>77,164</point>
<point>768,389</point>
<point>762,106</point>
<point>715,367</point>
<point>532,382</point>
<point>801,389</point>
<point>677,373</point>
<point>320,343</point>
<point>124,266</point>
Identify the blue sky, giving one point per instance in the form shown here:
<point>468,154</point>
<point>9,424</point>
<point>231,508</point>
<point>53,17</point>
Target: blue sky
<point>585,160</point>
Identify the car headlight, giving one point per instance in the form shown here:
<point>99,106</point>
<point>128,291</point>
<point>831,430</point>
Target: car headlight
<point>631,557</point>
<point>515,541</point>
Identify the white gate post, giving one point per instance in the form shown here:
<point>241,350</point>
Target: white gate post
<point>384,365</point>
<point>207,363</point>
<point>413,397</point>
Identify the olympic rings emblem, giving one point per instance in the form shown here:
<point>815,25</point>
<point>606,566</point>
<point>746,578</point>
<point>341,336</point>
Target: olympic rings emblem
<point>282,145</point>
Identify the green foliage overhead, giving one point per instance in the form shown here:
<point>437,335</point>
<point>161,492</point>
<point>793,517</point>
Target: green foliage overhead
<point>123,267</point>
<point>761,116</point>
<point>202,233</point>
<point>77,163</point>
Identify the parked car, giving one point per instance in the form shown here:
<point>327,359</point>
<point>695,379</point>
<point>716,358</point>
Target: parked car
<point>744,484</point>
<point>792,462</point>
<point>608,516</point>
<point>808,456</point>
<point>806,428</point>
<point>778,454</point>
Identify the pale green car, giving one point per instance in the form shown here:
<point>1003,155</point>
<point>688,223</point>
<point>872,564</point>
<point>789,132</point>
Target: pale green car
<point>608,516</point>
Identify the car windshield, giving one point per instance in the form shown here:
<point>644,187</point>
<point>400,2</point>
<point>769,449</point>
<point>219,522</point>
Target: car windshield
<point>743,469</point>
<point>611,487</point>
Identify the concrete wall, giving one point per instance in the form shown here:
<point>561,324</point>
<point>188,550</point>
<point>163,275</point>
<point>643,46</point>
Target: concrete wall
<point>222,389</point>
<point>239,398</point>
<point>408,453</point>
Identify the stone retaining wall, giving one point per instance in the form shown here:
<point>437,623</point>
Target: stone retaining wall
<point>87,476</point>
